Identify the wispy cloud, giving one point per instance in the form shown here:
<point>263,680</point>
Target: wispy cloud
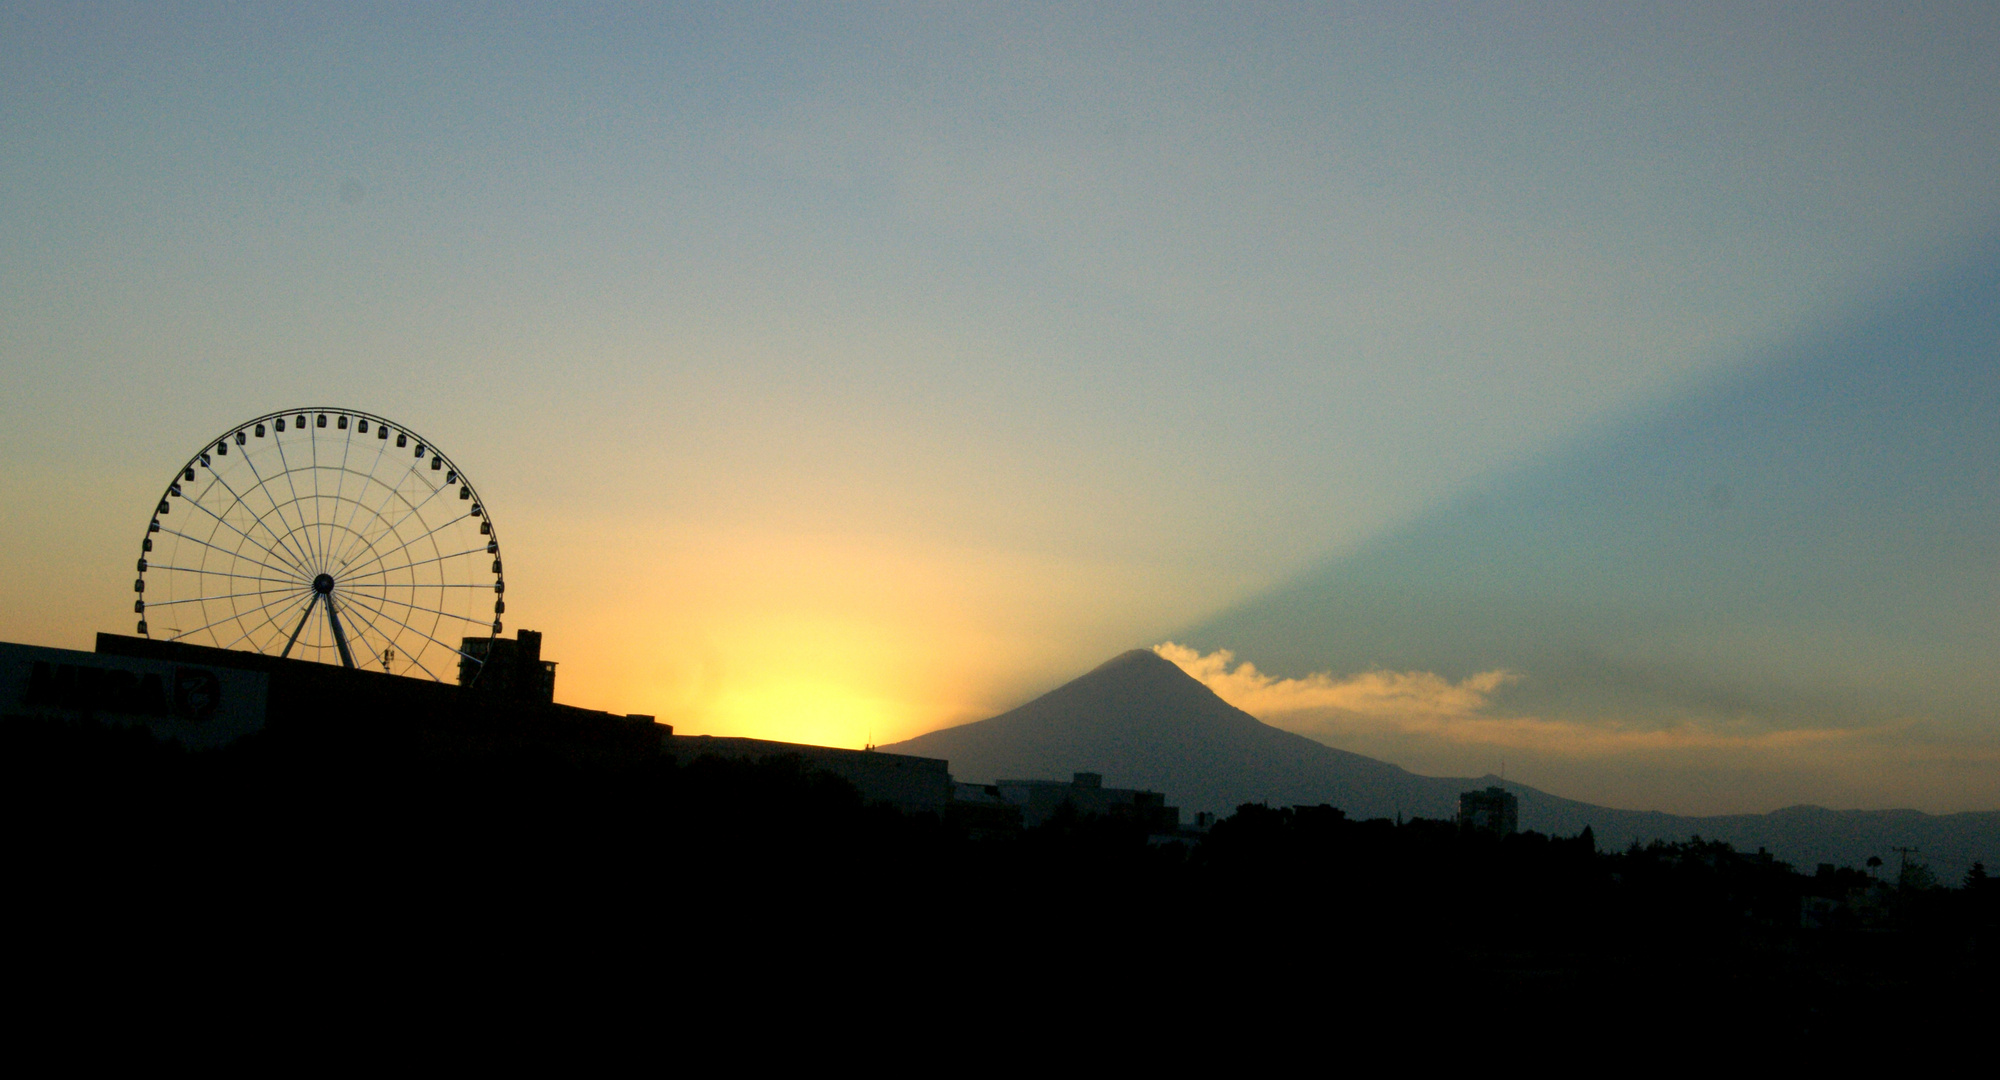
<point>1421,703</point>
<point>1371,693</point>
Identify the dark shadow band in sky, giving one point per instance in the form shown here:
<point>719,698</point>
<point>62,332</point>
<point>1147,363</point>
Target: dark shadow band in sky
<point>1812,541</point>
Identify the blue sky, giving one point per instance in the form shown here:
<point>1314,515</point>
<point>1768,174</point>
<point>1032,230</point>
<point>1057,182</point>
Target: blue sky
<point>843,372</point>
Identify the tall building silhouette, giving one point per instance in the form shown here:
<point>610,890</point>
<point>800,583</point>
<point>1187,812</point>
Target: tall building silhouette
<point>509,668</point>
<point>1494,810</point>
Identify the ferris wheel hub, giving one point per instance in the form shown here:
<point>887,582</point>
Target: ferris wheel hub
<point>323,584</point>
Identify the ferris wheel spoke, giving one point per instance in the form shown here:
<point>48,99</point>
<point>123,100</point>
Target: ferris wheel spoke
<point>414,656</point>
<point>232,528</point>
<point>322,522</point>
<point>392,492</point>
<point>389,604</point>
<point>285,540</point>
<point>222,573</point>
<point>424,562</point>
<point>388,601</point>
<point>391,618</point>
<point>264,485</point>
<point>382,547</point>
<point>305,527</point>
<point>406,545</point>
<point>283,567</point>
<point>397,528</point>
<point>359,625</point>
<point>292,484</point>
<point>417,658</point>
<point>346,448</point>
<point>150,604</point>
<point>377,514</point>
<point>312,440</point>
<point>200,502</point>
<point>322,527</point>
<point>266,610</point>
<point>235,615</point>
<point>360,498</point>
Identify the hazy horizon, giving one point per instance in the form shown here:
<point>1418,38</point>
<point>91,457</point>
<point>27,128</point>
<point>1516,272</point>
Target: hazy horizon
<point>1608,390</point>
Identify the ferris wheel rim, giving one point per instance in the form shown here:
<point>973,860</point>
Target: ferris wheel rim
<point>295,560</point>
<point>314,410</point>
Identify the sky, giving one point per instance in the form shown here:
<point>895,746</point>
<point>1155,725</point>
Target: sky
<point>1594,391</point>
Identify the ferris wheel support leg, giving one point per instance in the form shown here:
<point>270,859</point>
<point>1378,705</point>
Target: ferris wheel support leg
<point>300,629</point>
<point>339,635</point>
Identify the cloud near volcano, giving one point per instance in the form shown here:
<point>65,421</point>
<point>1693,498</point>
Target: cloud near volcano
<point>1371,693</point>
<point>1424,704</point>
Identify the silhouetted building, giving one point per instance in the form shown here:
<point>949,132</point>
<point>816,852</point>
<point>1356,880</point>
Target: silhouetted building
<point>981,812</point>
<point>911,784</point>
<point>1040,799</point>
<point>1494,810</point>
<point>192,699</point>
<point>509,668</point>
<point>214,694</point>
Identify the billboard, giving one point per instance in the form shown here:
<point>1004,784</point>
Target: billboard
<point>203,707</point>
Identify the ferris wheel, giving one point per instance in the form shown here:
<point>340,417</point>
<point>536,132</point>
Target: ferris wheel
<point>325,534</point>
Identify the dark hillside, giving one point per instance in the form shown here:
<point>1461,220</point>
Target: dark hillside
<point>401,870</point>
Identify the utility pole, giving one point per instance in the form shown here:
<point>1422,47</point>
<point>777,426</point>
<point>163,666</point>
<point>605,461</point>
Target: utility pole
<point>1903,867</point>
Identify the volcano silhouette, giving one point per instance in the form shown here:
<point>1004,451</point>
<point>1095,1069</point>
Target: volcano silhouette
<point>1142,722</point>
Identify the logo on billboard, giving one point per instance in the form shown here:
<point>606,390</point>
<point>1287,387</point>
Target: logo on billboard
<point>196,693</point>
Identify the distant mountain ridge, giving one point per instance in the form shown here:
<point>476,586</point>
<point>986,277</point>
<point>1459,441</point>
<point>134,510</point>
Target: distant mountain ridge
<point>1143,722</point>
